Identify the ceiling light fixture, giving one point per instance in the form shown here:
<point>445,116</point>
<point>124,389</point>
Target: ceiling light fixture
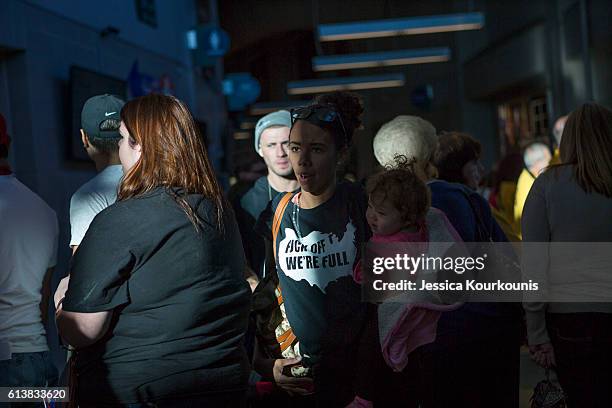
<point>401,26</point>
<point>380,59</point>
<point>311,86</point>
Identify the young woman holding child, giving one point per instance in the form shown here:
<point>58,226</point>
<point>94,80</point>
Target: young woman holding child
<point>316,237</point>
<point>315,246</point>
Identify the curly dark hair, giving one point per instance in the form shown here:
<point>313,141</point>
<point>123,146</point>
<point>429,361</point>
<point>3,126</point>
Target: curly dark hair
<point>455,150</point>
<point>403,186</point>
<point>350,108</point>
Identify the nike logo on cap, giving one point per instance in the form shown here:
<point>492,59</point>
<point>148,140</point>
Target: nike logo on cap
<point>107,114</point>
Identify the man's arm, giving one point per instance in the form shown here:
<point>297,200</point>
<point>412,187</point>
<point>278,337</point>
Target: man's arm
<point>83,209</point>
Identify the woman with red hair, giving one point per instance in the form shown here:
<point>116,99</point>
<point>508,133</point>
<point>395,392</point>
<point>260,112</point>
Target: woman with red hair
<point>156,304</point>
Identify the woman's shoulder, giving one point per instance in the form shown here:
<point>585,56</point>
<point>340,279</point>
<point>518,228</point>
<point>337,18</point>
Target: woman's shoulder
<point>442,188</point>
<point>556,172</point>
<point>263,224</point>
<point>273,205</point>
<point>553,176</point>
<point>128,214</point>
<point>157,204</point>
<point>115,211</point>
<point>446,195</point>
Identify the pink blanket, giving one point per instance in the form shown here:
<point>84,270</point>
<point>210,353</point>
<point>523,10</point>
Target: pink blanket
<point>416,326</point>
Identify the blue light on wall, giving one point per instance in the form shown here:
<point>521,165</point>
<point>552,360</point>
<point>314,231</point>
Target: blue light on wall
<point>192,39</point>
<point>241,89</point>
<point>311,86</point>
<point>381,59</point>
<point>208,43</point>
<point>401,26</point>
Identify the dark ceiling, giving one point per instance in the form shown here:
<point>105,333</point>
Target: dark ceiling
<point>275,40</point>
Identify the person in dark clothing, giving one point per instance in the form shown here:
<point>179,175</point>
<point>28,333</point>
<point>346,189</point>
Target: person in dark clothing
<point>570,206</point>
<point>477,339</point>
<point>457,159</point>
<point>313,249</point>
<point>156,303</point>
<point>271,139</point>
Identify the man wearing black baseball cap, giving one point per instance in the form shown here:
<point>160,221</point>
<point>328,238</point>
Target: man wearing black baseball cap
<point>100,121</point>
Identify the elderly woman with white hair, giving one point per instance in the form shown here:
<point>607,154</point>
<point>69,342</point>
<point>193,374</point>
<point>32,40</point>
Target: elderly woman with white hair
<point>536,158</point>
<point>474,360</point>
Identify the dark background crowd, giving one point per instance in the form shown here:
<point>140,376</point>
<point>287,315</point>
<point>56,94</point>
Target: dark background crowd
<point>488,122</point>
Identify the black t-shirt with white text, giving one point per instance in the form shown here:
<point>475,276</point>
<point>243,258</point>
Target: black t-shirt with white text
<point>179,298</point>
<point>316,251</point>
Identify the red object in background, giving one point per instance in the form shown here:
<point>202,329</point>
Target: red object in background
<point>264,387</point>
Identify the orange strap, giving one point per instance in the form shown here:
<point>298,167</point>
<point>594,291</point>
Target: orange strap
<point>283,337</point>
<point>278,217</point>
<point>289,342</point>
<point>286,339</point>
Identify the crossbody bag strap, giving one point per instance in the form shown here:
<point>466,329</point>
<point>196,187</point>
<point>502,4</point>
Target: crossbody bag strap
<point>286,339</point>
<point>278,217</point>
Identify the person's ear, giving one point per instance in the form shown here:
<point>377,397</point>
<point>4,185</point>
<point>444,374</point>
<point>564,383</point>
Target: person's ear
<point>84,139</point>
<point>259,152</point>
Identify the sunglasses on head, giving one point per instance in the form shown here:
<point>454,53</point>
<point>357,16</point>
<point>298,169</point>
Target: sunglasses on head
<point>323,114</point>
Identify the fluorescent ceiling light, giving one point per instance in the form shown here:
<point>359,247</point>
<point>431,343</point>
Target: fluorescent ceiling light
<point>400,26</point>
<point>380,59</point>
<point>311,86</point>
<point>262,108</point>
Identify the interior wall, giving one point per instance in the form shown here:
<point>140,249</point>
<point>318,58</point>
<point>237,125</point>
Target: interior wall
<point>34,97</point>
